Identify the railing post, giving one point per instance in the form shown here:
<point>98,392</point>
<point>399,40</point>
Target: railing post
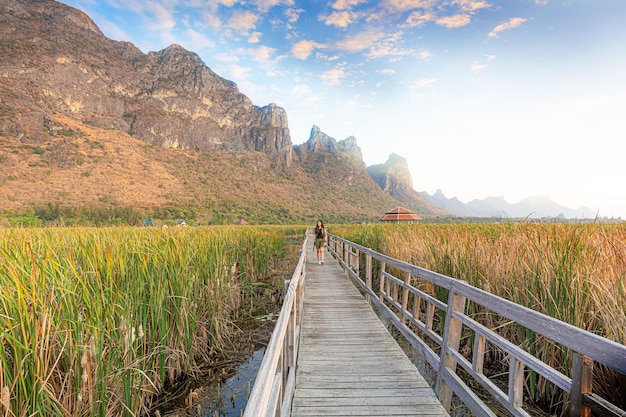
<point>516,382</point>
<point>356,263</point>
<point>582,378</point>
<point>478,357</point>
<point>405,296</point>
<point>368,274</point>
<point>382,282</point>
<point>451,340</point>
<point>300,296</point>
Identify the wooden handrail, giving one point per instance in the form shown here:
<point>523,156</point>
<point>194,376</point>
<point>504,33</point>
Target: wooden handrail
<point>587,348</point>
<point>274,386</point>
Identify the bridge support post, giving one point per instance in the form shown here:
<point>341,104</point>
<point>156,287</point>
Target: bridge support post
<point>451,341</point>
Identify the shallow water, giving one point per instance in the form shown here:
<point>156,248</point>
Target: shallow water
<point>223,399</point>
<point>229,398</point>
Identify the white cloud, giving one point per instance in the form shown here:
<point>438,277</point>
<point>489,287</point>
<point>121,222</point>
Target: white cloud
<point>303,49</point>
<point>161,20</point>
<point>293,14</point>
<point>418,19</point>
<point>262,53</point>
<point>255,37</point>
<point>301,89</point>
<point>243,20</point>
<point>425,54</point>
<point>340,19</point>
<point>360,41</point>
<point>386,49</point>
<point>400,6</point>
<point>265,5</point>
<point>455,21</point>
<point>212,19</point>
<point>472,5</point>
<point>513,23</point>
<point>477,66</point>
<point>334,76</point>
<point>329,58</point>
<point>387,71</point>
<point>346,4</point>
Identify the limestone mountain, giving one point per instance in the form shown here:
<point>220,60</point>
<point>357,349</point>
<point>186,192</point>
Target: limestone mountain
<point>323,146</point>
<point>90,123</point>
<point>339,172</point>
<point>56,60</point>
<point>394,178</point>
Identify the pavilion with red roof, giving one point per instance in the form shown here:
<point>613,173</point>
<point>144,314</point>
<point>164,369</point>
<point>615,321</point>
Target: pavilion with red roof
<point>400,214</point>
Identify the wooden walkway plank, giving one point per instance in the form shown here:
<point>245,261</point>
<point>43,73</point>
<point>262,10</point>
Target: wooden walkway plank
<point>348,363</point>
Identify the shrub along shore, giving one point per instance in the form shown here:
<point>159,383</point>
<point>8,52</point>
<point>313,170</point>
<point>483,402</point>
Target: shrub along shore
<point>95,321</point>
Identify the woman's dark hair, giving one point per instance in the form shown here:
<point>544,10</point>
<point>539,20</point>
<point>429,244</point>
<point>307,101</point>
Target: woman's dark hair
<point>319,221</point>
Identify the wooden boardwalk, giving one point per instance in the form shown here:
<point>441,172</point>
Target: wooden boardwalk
<point>348,364</point>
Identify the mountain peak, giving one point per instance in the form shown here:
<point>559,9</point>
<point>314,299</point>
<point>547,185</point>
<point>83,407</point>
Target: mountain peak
<point>320,143</point>
<point>395,179</point>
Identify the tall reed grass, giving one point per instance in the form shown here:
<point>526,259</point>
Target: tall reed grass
<point>96,321</point>
<point>573,272</point>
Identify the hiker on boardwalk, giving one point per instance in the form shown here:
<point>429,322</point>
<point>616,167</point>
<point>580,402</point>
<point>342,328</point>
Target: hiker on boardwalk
<point>320,241</point>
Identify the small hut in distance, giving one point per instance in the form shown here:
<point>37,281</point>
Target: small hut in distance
<point>400,214</point>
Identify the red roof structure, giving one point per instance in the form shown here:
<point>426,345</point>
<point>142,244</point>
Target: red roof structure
<point>400,214</point>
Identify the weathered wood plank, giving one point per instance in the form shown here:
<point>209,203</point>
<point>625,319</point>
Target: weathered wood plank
<point>348,363</point>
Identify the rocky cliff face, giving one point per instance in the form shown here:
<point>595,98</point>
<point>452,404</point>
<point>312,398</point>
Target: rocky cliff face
<point>394,178</point>
<point>56,60</point>
<point>327,148</point>
<point>339,171</point>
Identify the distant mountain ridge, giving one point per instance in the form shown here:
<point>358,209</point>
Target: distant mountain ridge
<point>530,207</point>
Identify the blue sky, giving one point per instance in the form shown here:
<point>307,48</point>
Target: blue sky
<point>512,98</point>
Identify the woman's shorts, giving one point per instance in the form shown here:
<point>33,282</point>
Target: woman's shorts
<point>319,243</point>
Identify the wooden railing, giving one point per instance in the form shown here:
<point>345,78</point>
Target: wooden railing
<point>274,386</point>
<point>411,310</point>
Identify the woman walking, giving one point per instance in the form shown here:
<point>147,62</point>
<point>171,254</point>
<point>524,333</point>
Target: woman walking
<point>320,241</point>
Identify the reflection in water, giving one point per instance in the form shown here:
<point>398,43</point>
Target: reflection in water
<point>228,398</point>
<point>236,390</point>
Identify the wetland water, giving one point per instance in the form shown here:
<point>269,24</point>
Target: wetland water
<point>227,398</point>
<point>225,391</point>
